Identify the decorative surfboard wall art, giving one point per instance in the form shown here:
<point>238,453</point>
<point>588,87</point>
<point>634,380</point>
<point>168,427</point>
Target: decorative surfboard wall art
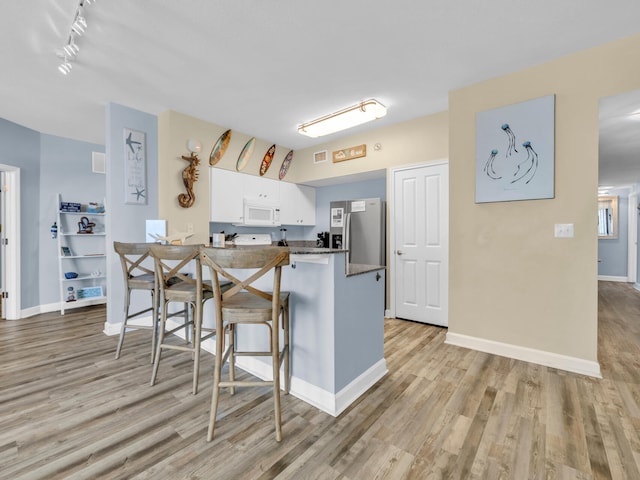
<point>267,159</point>
<point>220,147</point>
<point>245,154</point>
<point>285,165</point>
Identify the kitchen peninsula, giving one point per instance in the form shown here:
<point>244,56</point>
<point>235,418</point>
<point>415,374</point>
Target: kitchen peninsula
<point>337,329</point>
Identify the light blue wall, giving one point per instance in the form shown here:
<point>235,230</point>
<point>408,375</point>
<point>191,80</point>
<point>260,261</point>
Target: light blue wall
<point>126,223</point>
<point>20,147</point>
<point>346,191</point>
<point>613,253</point>
<point>359,324</point>
<point>65,169</point>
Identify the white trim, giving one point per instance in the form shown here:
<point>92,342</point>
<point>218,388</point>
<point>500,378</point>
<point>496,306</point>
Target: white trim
<point>636,286</point>
<point>632,239</point>
<point>540,357</point>
<point>12,304</point>
<point>56,306</point>
<point>114,328</point>
<point>333,404</point>
<point>359,386</point>
<point>612,278</point>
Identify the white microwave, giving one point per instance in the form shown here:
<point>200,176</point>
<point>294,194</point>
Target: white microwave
<point>261,214</point>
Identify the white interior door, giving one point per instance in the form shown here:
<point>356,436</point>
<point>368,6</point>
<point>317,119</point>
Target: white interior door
<point>421,243</point>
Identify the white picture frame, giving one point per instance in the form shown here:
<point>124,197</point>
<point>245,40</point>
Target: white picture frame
<point>135,167</point>
<point>515,151</point>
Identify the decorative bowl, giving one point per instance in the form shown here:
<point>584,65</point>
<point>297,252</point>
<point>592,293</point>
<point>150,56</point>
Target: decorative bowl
<point>70,275</point>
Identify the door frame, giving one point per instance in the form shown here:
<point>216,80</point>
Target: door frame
<point>632,239</point>
<point>11,262</point>
<point>391,223</point>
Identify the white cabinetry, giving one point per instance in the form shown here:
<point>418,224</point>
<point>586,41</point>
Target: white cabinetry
<point>297,204</point>
<point>261,189</point>
<point>226,196</point>
<point>82,254</point>
<point>229,189</point>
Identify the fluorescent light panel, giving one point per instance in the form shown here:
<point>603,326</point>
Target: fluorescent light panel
<point>349,117</point>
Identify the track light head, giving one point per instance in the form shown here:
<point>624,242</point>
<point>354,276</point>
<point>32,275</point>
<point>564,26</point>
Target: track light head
<point>65,67</point>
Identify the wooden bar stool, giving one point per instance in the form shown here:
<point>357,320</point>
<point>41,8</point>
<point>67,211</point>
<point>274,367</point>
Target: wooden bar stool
<point>173,264</point>
<point>137,277</point>
<point>243,303</point>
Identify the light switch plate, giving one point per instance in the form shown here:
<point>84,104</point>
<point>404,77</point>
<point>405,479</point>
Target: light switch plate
<point>564,230</point>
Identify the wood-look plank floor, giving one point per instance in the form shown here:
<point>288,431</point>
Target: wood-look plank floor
<point>69,410</point>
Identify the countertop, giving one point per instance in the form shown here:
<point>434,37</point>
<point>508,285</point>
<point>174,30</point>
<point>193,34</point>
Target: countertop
<point>358,269</point>
<point>306,247</point>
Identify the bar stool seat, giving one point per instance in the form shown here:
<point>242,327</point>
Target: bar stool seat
<point>137,276</point>
<point>244,303</point>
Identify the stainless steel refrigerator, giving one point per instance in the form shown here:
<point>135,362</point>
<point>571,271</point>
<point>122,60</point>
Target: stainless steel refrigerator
<point>359,226</point>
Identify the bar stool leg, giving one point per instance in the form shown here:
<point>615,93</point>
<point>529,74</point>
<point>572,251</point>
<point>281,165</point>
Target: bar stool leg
<point>154,318</point>
<point>124,322</point>
<point>275,360</point>
<point>232,357</point>
<point>217,373</point>
<point>156,362</point>
<point>287,348</point>
<point>197,320</point>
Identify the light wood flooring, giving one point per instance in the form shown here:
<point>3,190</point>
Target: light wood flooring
<point>69,410</point>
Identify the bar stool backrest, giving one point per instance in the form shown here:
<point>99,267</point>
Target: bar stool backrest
<point>132,256</point>
<point>264,259</point>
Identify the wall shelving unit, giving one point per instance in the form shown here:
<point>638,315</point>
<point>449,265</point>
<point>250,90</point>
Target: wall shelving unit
<point>83,254</point>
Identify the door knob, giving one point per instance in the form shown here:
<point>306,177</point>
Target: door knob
<point>398,252</point>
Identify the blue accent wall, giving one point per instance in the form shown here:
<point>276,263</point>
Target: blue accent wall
<point>126,223</point>
<point>20,147</point>
<point>346,191</point>
<point>65,168</point>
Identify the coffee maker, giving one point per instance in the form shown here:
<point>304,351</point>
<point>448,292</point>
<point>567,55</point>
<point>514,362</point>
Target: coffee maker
<point>323,240</point>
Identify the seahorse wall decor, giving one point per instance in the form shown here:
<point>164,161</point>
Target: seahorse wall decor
<point>189,177</point>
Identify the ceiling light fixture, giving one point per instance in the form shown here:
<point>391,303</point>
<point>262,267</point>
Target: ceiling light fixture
<point>70,49</point>
<point>346,118</point>
<point>65,66</point>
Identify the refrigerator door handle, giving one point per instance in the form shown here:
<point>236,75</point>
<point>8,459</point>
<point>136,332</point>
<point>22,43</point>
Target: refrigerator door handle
<point>345,236</point>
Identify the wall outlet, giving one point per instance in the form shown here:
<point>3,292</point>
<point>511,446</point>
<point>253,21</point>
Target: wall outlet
<point>564,230</point>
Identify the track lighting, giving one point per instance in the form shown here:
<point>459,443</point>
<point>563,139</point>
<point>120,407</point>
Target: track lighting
<point>65,66</point>
<point>70,49</point>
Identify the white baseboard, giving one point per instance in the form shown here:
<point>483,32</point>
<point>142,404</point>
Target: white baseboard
<point>540,357</point>
<point>612,278</point>
<point>53,307</point>
<point>114,328</point>
<point>333,404</point>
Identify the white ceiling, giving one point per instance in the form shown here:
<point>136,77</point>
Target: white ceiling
<point>261,67</point>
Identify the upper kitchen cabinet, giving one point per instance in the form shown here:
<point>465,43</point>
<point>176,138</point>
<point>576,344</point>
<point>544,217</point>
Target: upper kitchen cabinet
<point>297,204</point>
<point>226,196</point>
<point>230,190</point>
<point>262,189</point>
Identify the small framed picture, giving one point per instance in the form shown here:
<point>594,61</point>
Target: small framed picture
<point>66,252</point>
<point>320,157</point>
